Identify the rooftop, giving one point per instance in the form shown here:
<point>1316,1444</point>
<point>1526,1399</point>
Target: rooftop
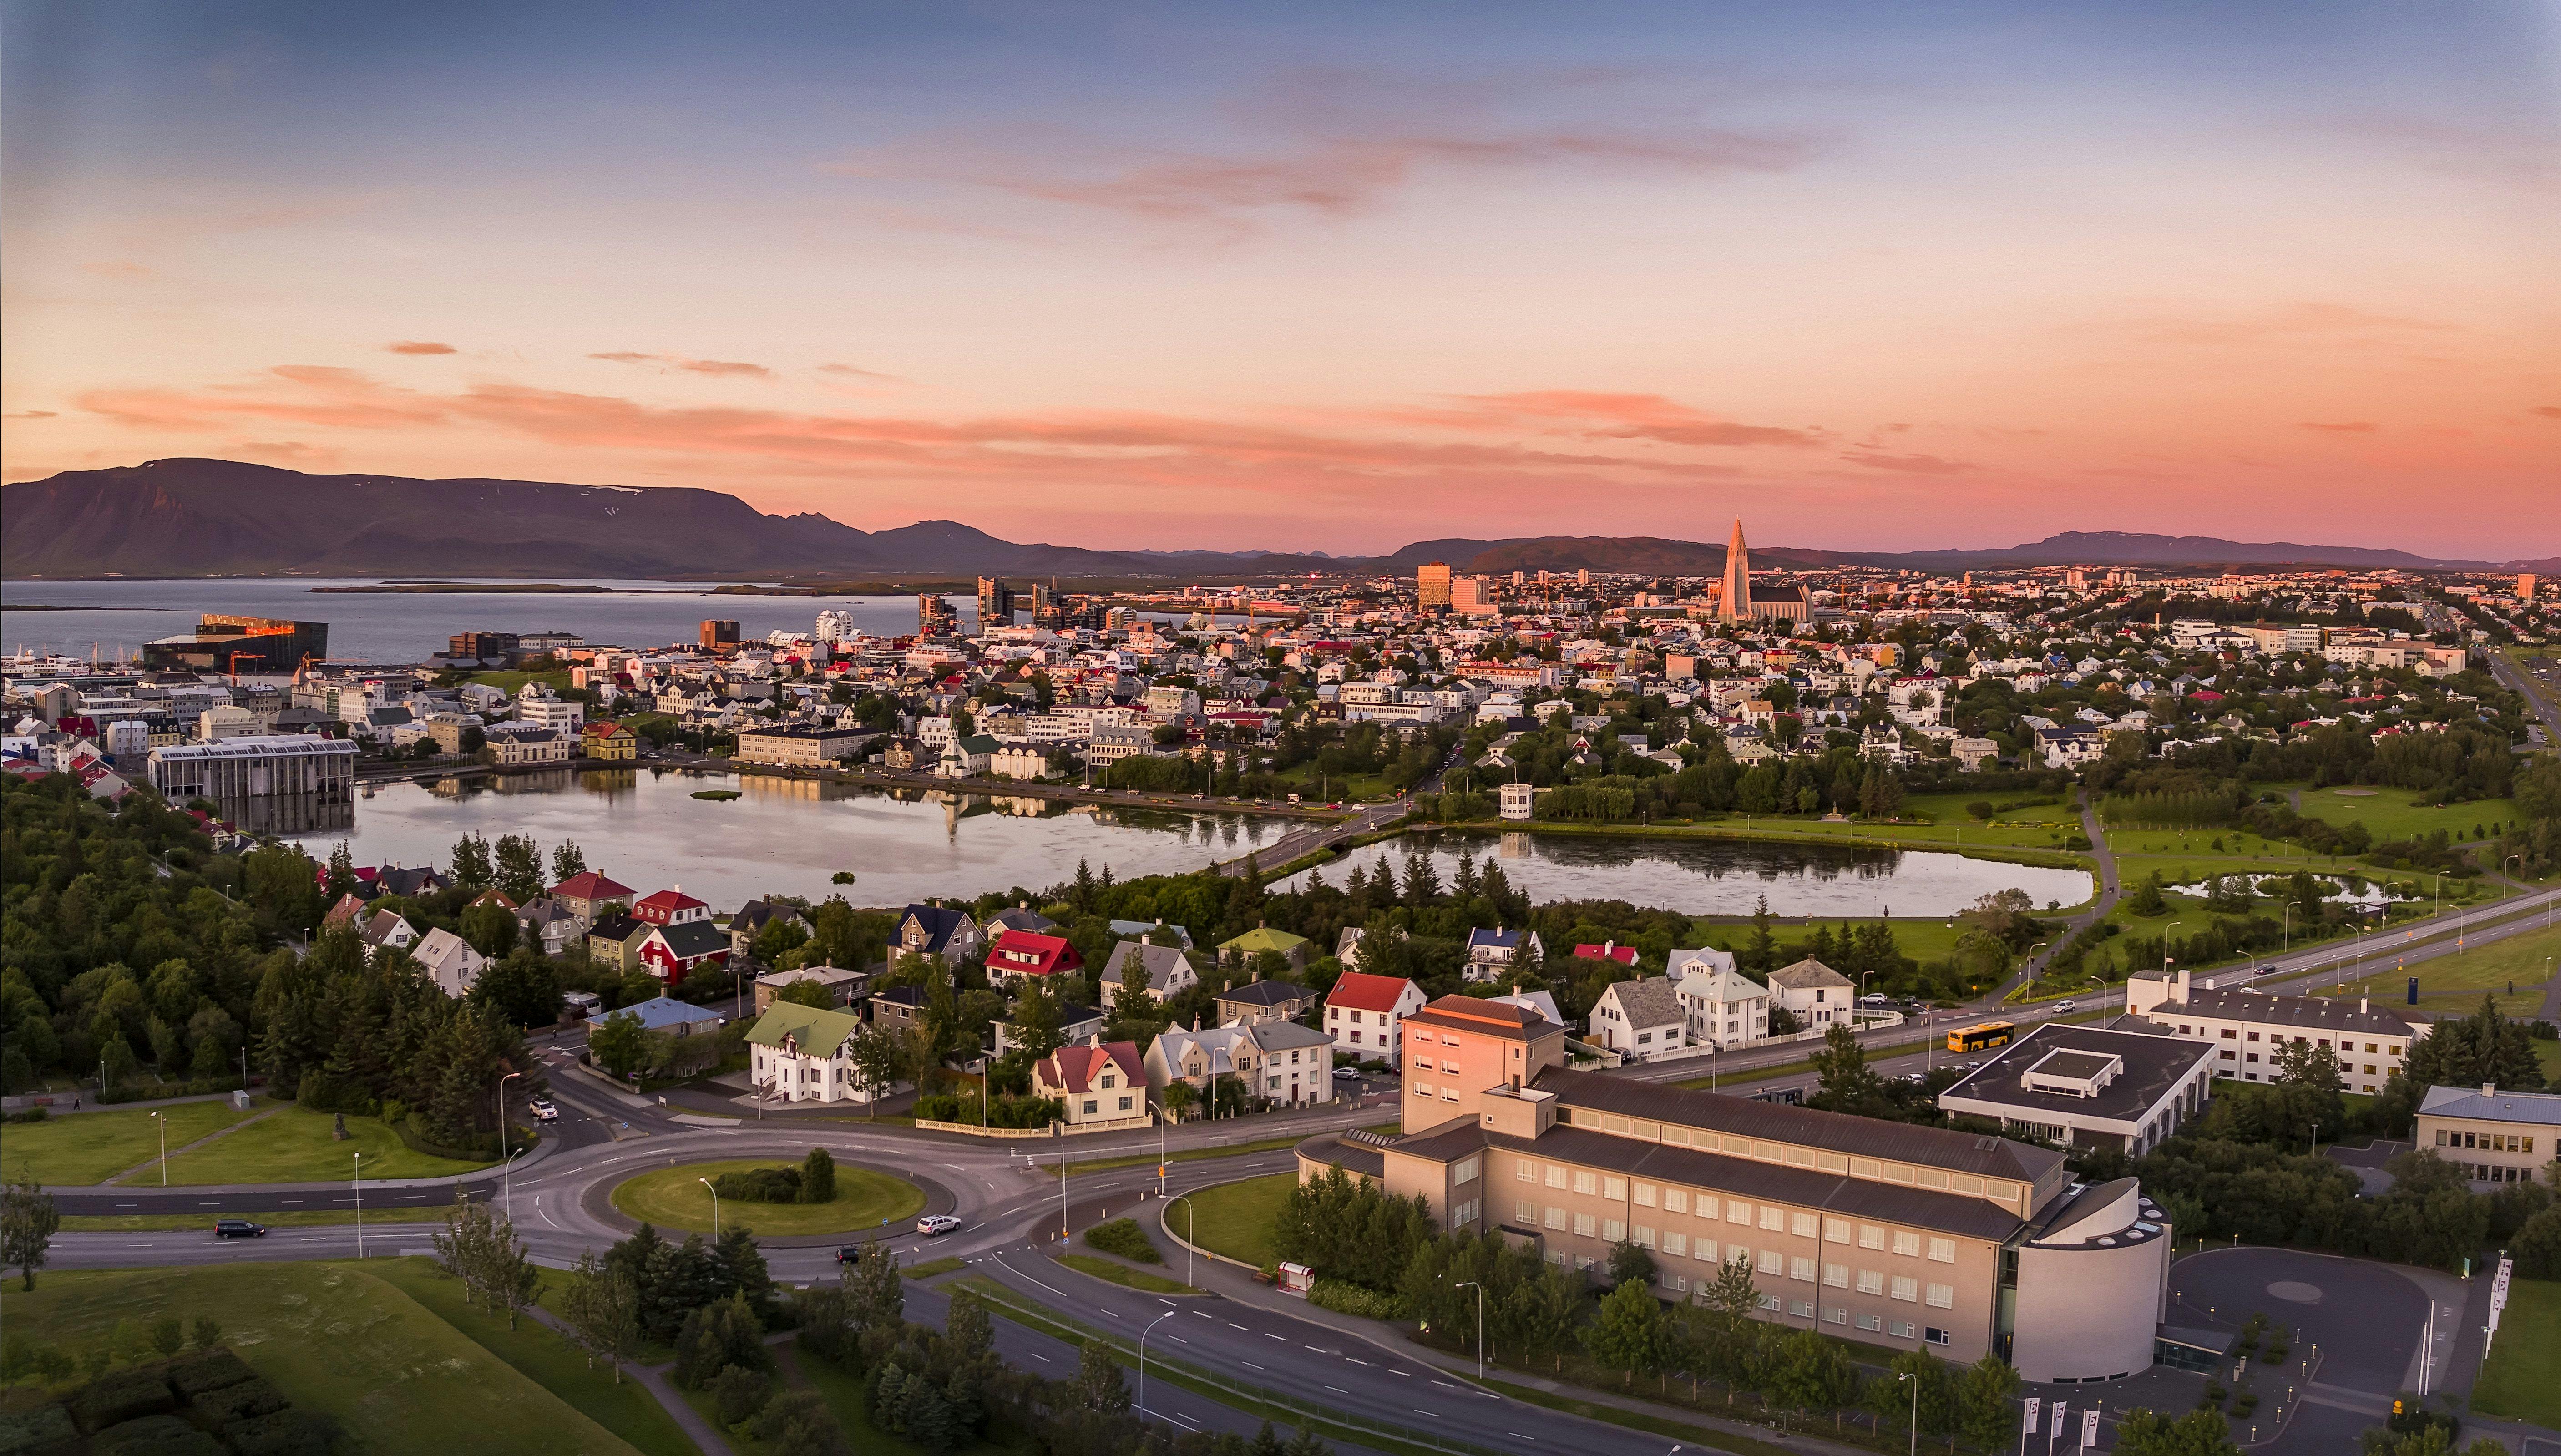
<point>2493,1106</point>
<point>2152,1066</point>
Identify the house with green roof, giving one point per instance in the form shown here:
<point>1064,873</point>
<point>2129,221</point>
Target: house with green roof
<point>1244,948</point>
<point>804,1054</point>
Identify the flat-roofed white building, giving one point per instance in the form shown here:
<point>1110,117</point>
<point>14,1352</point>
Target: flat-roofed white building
<point>2249,1027</point>
<point>2494,1135</point>
<point>2090,1086</point>
<point>257,765</point>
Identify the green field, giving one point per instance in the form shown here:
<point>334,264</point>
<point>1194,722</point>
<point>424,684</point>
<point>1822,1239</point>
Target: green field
<point>336,1337</point>
<point>675,1198</point>
<point>88,1147</point>
<point>542,1355</point>
<point>2390,814</point>
<point>1235,1219</point>
<point>2518,1380</point>
<point>296,1146</point>
<point>283,1218</point>
<point>1124,1276</point>
<point>2456,982</point>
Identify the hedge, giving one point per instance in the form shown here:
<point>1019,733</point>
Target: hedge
<point>1351,1299</point>
<point>154,1435</point>
<point>46,1430</point>
<point>1124,1237</point>
<point>208,1369</point>
<point>285,1433</point>
<point>235,1404</point>
<point>127,1394</point>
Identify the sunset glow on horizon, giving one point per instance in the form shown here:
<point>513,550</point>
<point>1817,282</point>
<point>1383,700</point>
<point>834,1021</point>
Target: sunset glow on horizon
<point>1319,278</point>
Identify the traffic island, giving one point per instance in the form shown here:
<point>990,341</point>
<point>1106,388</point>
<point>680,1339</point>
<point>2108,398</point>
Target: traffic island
<point>680,1198</point>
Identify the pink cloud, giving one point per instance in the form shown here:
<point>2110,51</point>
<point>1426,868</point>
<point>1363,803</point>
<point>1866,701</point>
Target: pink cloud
<point>417,345</point>
<point>1599,415</point>
<point>1906,464</point>
<point>2351,426</point>
<point>689,366</point>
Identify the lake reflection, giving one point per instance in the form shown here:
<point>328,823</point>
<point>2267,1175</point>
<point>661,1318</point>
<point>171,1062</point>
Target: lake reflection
<point>1711,877</point>
<point>786,836</point>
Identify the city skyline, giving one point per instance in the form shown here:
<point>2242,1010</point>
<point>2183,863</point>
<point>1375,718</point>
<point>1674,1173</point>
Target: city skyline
<point>1337,280</point>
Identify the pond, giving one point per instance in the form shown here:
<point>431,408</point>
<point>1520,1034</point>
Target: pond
<point>786,835</point>
<point>1724,877</point>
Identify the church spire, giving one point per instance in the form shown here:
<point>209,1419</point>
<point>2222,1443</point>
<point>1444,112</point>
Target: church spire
<point>1735,604</point>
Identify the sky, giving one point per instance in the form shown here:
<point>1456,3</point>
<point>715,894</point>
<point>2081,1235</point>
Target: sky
<point>1318,276</point>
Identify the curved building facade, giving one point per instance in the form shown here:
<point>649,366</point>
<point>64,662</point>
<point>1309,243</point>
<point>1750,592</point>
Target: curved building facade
<point>2093,1286</point>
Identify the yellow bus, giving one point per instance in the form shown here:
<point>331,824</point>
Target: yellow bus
<point>1982,1038</point>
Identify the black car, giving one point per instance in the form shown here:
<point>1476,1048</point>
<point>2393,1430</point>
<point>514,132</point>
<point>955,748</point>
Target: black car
<point>849,1254</point>
<point>237,1228</point>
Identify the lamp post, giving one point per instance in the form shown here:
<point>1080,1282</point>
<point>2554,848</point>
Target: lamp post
<point>2031,969</point>
<point>715,1193</point>
<point>1480,1325</point>
<point>1187,1230</point>
<point>1915,1412</point>
<point>360,1205</point>
<point>502,1108</point>
<point>1142,1355</point>
<point>507,1185</point>
<point>164,1121</point>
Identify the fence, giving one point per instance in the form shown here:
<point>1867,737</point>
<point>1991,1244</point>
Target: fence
<point>971,1129</point>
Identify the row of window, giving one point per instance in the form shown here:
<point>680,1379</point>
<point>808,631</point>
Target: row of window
<point>1776,1263</point>
<point>1772,1217</point>
<point>2486,1142</point>
<point>2346,1048</point>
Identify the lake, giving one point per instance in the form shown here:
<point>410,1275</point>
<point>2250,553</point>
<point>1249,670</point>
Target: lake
<point>786,835</point>
<point>1724,877</point>
<point>405,628</point>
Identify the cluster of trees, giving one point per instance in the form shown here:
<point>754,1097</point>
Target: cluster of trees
<point>479,1246</point>
<point>813,1182</point>
<point>1594,776</point>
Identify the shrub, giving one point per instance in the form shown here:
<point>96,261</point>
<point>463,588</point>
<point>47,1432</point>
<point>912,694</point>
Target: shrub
<point>46,1430</point>
<point>818,1178</point>
<point>1351,1299</point>
<point>122,1397</point>
<point>154,1435</point>
<point>209,1369</point>
<point>246,1401</point>
<point>285,1433</point>
<point>738,1392</point>
<point>760,1185</point>
<point>32,1114</point>
<point>786,1408</point>
<point>1124,1238</point>
<point>2248,1402</point>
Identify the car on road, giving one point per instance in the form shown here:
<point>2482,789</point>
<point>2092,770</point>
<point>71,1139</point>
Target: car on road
<point>849,1254</point>
<point>2063,1005</point>
<point>934,1226</point>
<point>1346,1073</point>
<point>237,1228</point>
<point>543,1110</point>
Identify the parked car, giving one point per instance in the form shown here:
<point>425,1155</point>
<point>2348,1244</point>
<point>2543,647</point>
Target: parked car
<point>934,1226</point>
<point>543,1110</point>
<point>237,1228</point>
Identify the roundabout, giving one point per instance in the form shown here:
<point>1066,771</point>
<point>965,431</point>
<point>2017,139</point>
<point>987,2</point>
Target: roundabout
<point>678,1198</point>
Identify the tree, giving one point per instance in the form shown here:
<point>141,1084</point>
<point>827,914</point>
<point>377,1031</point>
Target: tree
<point>716,1336</point>
<point>818,1177</point>
<point>1035,1023</point>
<point>471,868</point>
<point>491,929</point>
<point>2145,1432</point>
<point>602,1307</point>
<point>168,1335</point>
<point>342,872</point>
<point>881,1058</point>
<point>1987,1404</point>
<point>2147,898</point>
<point>518,867</point>
<point>1630,1263</point>
<point>27,1223</point>
<point>2537,1245</point>
<point>808,993</point>
<point>1536,1314</point>
<point>1097,1387</point>
<point>1848,1083</point>
<point>567,860</point>
<point>1812,1372</point>
<point>2484,1046</point>
<point>1626,1335</point>
<point>1178,1098</point>
<point>620,1044</point>
<point>879,1299</point>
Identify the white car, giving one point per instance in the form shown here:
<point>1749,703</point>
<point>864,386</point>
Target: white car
<point>2064,1006</point>
<point>1346,1074</point>
<point>543,1110</point>
<point>934,1226</point>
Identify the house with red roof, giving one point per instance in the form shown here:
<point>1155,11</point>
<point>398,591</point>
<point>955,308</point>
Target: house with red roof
<point>1625,955</point>
<point>587,894</point>
<point>672,952</point>
<point>671,907</point>
<point>1018,954</point>
<point>1363,1012</point>
<point>1100,1082</point>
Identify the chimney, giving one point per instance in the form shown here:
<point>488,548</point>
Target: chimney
<point>2362,1005</point>
<point>2490,1089</point>
<point>2182,985</point>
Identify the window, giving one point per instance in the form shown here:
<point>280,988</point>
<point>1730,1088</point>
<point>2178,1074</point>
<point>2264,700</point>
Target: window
<point>1645,1195</point>
<point>1424,1064</point>
<point>1466,1169</point>
<point>1871,1281</point>
<point>1902,1330</point>
<point>1943,1250</point>
<point>1935,1335</point>
<point>1804,1225</point>
<point>1772,1263</point>
<point>1768,1301</point>
<point>1837,1315</point>
<point>1584,1180</point>
<point>1773,1220</point>
<point>1643,1238</point>
<point>1871,1236</point>
<point>1614,1189</point>
<point>1676,1200</point>
<point>1869,1323</point>
<point>1705,1252</point>
<point>1802,1309</point>
<point>1466,1211</point>
<point>1907,1244</point>
<point>1737,1213</point>
<point>1525,1171</point>
<point>1090,1105</point>
<point>1675,1246</point>
<point>1422,1090</point>
<point>1585,1226</point>
<point>1555,1217</point>
<point>1836,1275</point>
<point>1801,1269</point>
<point>1941,1296</point>
<point>1556,1257</point>
<point>1448,1094</point>
<point>1527,1212</point>
<point>1124,1102</point>
<point>1556,1174</point>
<point>1835,1230</point>
<point>1906,1289</point>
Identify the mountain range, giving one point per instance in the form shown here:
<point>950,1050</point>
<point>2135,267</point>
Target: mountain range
<point>222,518</point>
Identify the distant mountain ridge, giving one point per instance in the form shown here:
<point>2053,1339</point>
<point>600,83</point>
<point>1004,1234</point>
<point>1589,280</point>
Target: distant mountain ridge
<point>207,518</point>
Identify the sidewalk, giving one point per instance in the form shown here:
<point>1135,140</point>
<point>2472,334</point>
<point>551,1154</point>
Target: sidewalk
<point>1213,1274</point>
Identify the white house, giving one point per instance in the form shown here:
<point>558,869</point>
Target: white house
<point>1814,993</point>
<point>450,960</point>
<point>1170,970</point>
<point>1363,1015</point>
<point>801,1053</point>
<point>1639,1019</point>
<point>1720,1007</point>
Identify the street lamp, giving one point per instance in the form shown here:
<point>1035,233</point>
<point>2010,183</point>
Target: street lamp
<point>1187,1230</point>
<point>360,1205</point>
<point>706,1183</point>
<point>163,1120</point>
<point>1142,1355</point>
<point>507,1184</point>
<point>1480,1325</point>
<point>1915,1412</point>
<point>502,1108</point>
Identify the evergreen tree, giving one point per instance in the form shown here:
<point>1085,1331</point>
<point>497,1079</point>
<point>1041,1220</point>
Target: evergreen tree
<point>568,861</point>
<point>471,868</point>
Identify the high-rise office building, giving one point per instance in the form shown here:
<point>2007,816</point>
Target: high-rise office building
<point>2525,586</point>
<point>1432,586</point>
<point>935,616</point>
<point>716,635</point>
<point>996,603</point>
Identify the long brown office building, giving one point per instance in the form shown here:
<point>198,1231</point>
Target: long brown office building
<point>1914,1238</point>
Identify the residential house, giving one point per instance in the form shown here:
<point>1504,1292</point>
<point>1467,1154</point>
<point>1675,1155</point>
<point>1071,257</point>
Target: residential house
<point>2493,1135</point>
<point>676,951</point>
<point>1814,994</point>
<point>750,918</point>
<point>1155,930</point>
<point>1542,1001</point>
<point>682,1037</point>
<point>843,987</point>
<point>1020,917</point>
<point>804,1054</point>
<point>608,743</point>
<point>616,942</point>
<point>1099,1082</point>
<point>671,907</point>
<point>522,744</point>
<point>1625,955</point>
<point>1244,948</point>
<point>587,894</point>
<point>385,930</point>
<point>949,936</point>
<point>449,961</point>
<point>1279,1062</point>
<point>546,922</point>
<point>1640,1018</point>
<point>1263,1000</point>
<point>396,879</point>
<point>1019,953</point>
<point>1168,969</point>
<point>1491,952</point>
<point>896,1008</point>
<point>1363,1012</point>
<point>1720,1006</point>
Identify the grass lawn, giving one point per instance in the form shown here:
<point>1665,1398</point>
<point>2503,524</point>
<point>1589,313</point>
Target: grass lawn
<point>84,1146</point>
<point>1186,1155</point>
<point>1124,1276</point>
<point>672,1197</point>
<point>542,1355</point>
<point>2549,1054</point>
<point>512,683</point>
<point>296,1146</point>
<point>335,1338</point>
<point>283,1218</point>
<point>1235,1219</point>
<point>931,1269</point>
<point>2390,814</point>
<point>2456,982</point>
<point>2519,1381</point>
